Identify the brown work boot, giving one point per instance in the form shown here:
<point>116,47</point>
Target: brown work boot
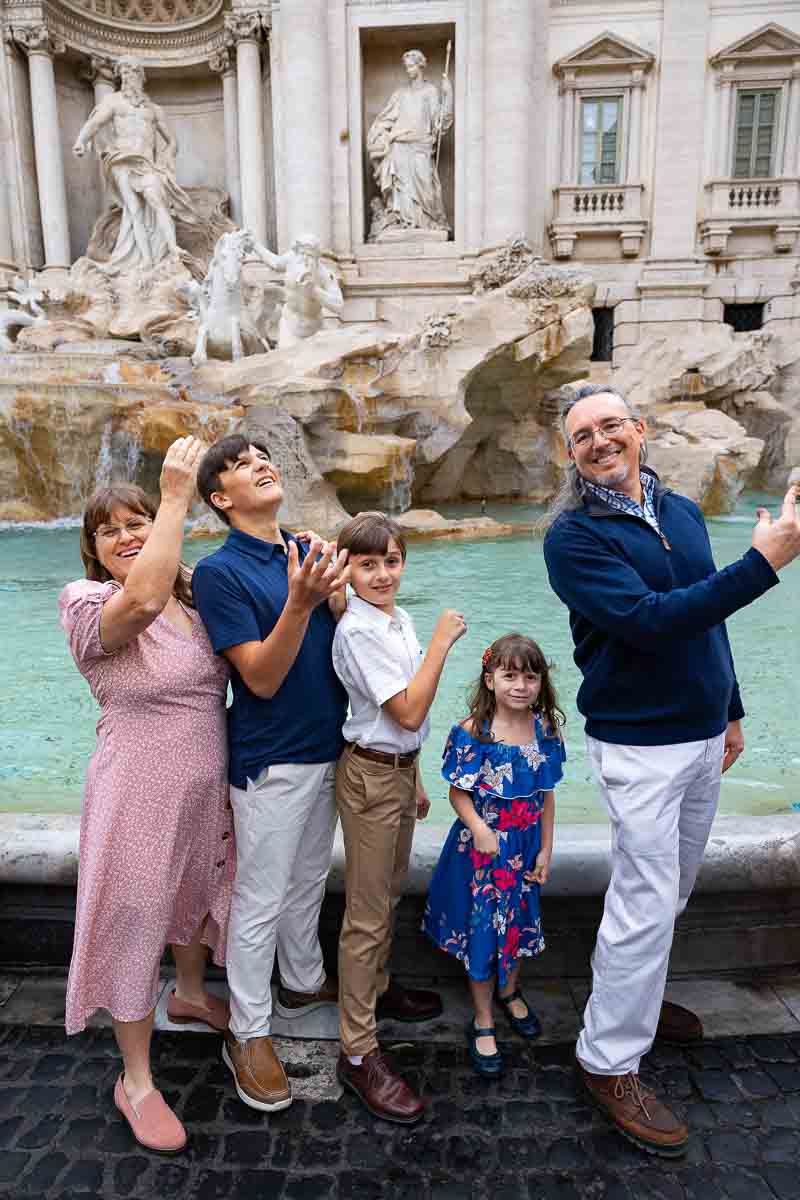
<point>380,1089</point>
<point>678,1025</point>
<point>259,1077</point>
<point>636,1112</point>
<point>295,1004</point>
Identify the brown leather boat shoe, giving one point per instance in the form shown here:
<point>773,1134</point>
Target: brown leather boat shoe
<point>678,1025</point>
<point>295,1004</point>
<point>400,1003</point>
<point>637,1112</point>
<point>257,1072</point>
<point>380,1089</point>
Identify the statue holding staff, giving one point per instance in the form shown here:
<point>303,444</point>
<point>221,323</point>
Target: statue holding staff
<point>403,143</point>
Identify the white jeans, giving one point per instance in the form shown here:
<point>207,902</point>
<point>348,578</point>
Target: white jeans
<point>661,801</point>
<point>285,822</point>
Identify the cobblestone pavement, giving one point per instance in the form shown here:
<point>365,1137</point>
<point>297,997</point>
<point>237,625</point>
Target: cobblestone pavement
<point>527,1136</point>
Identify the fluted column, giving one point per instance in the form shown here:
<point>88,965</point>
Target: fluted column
<point>222,63</point>
<point>41,46</point>
<point>790,157</point>
<point>568,139</point>
<point>509,30</point>
<point>245,32</point>
<point>723,166</point>
<point>306,116</point>
<point>635,138</point>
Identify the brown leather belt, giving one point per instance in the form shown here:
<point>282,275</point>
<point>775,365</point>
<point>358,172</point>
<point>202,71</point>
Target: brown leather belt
<point>379,756</point>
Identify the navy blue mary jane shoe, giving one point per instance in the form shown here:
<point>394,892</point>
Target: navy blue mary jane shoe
<point>487,1065</point>
<point>527,1026</point>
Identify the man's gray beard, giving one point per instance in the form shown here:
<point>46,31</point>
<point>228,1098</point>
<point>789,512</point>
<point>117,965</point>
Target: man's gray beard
<point>133,92</point>
<point>611,481</point>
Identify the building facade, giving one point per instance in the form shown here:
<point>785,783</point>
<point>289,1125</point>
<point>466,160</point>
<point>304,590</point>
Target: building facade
<point>655,143</point>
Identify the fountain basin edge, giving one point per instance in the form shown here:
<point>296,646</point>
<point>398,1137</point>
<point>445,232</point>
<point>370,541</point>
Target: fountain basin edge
<point>743,853</point>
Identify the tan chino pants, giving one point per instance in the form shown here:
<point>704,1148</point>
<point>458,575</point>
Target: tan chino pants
<point>377,807</point>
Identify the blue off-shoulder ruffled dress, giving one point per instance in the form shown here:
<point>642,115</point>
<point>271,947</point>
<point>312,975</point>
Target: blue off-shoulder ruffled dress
<point>484,910</point>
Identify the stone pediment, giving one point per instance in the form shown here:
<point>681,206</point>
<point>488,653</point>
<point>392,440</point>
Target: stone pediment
<point>607,50</point>
<point>770,42</point>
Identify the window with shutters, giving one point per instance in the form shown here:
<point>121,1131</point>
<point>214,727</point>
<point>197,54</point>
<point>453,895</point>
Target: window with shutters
<point>754,137</point>
<point>600,139</point>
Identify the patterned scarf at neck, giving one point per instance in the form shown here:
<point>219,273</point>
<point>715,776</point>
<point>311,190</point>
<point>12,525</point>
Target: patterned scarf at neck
<point>622,503</point>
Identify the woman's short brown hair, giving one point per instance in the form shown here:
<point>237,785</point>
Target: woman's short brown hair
<point>370,533</point>
<point>99,507</point>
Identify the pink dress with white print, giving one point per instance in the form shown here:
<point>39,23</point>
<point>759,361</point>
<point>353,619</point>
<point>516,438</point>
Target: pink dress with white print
<point>156,851</point>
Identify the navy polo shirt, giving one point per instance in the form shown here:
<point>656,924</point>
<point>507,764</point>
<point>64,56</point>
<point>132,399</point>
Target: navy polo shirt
<point>240,592</point>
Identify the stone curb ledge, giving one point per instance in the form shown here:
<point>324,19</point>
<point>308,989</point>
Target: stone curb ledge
<point>744,853</point>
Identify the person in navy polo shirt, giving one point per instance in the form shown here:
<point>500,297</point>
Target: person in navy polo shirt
<point>263,598</point>
<point>632,561</point>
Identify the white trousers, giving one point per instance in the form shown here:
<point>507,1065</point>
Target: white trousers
<point>661,801</point>
<point>285,821</point>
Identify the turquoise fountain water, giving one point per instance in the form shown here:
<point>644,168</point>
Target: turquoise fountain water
<point>48,715</point>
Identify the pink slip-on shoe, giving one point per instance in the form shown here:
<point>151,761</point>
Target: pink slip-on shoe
<point>216,1015</point>
<point>152,1121</point>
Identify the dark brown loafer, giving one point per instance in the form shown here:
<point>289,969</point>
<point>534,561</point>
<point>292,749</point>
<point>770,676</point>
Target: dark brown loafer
<point>380,1089</point>
<point>297,1004</point>
<point>637,1113</point>
<point>399,1003</point>
<point>678,1025</point>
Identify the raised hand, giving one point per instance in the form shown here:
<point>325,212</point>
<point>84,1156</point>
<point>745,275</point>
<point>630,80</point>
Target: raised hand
<point>179,470</point>
<point>321,574</point>
<point>779,540</point>
<point>450,627</point>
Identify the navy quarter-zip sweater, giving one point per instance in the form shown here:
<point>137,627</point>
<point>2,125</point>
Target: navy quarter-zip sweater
<point>647,619</point>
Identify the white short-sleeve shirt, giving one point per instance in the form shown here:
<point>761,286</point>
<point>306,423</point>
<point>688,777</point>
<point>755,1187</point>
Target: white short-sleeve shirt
<point>376,655</point>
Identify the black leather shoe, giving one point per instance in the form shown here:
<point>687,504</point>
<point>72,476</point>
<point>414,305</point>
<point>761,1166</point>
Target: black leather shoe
<point>527,1026</point>
<point>407,1004</point>
<point>490,1066</point>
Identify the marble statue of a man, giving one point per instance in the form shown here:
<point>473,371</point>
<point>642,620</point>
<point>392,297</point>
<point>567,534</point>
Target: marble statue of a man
<point>402,144</point>
<point>138,152</point>
<point>309,287</point>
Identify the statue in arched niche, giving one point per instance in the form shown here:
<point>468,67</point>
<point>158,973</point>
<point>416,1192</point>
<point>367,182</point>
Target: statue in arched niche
<point>403,143</point>
<point>137,151</point>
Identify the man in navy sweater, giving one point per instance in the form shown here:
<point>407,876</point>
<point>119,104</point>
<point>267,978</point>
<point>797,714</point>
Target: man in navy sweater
<point>632,561</point>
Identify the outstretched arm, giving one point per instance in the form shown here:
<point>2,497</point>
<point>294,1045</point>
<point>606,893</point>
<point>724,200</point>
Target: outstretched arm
<point>278,262</point>
<point>97,118</point>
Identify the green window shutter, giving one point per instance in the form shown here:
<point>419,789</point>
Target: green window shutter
<point>599,145</point>
<point>756,123</point>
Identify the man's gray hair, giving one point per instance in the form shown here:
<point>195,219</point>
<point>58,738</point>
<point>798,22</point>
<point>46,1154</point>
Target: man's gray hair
<point>570,492</point>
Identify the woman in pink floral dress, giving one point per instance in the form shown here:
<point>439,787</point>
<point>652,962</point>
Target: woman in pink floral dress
<point>156,848</point>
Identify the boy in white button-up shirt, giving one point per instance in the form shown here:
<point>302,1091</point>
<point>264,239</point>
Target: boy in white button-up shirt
<point>379,795</point>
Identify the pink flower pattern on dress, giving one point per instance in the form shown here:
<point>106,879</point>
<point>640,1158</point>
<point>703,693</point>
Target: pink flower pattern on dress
<point>156,849</point>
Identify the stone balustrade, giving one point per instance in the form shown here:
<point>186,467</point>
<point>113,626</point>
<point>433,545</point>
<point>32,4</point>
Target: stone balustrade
<point>751,204</point>
<point>598,209</point>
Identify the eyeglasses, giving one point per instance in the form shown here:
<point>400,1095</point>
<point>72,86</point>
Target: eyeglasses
<point>110,533</point>
<point>609,428</point>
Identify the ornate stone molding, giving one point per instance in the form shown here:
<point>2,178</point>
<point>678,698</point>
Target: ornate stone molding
<point>98,66</point>
<point>181,43</point>
<point>172,13</point>
<point>245,26</point>
<point>38,39</point>
<point>221,62</point>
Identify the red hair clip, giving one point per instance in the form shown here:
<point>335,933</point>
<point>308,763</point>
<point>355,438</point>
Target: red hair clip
<point>487,658</point>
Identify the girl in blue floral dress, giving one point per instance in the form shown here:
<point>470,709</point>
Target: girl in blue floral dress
<point>502,763</point>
